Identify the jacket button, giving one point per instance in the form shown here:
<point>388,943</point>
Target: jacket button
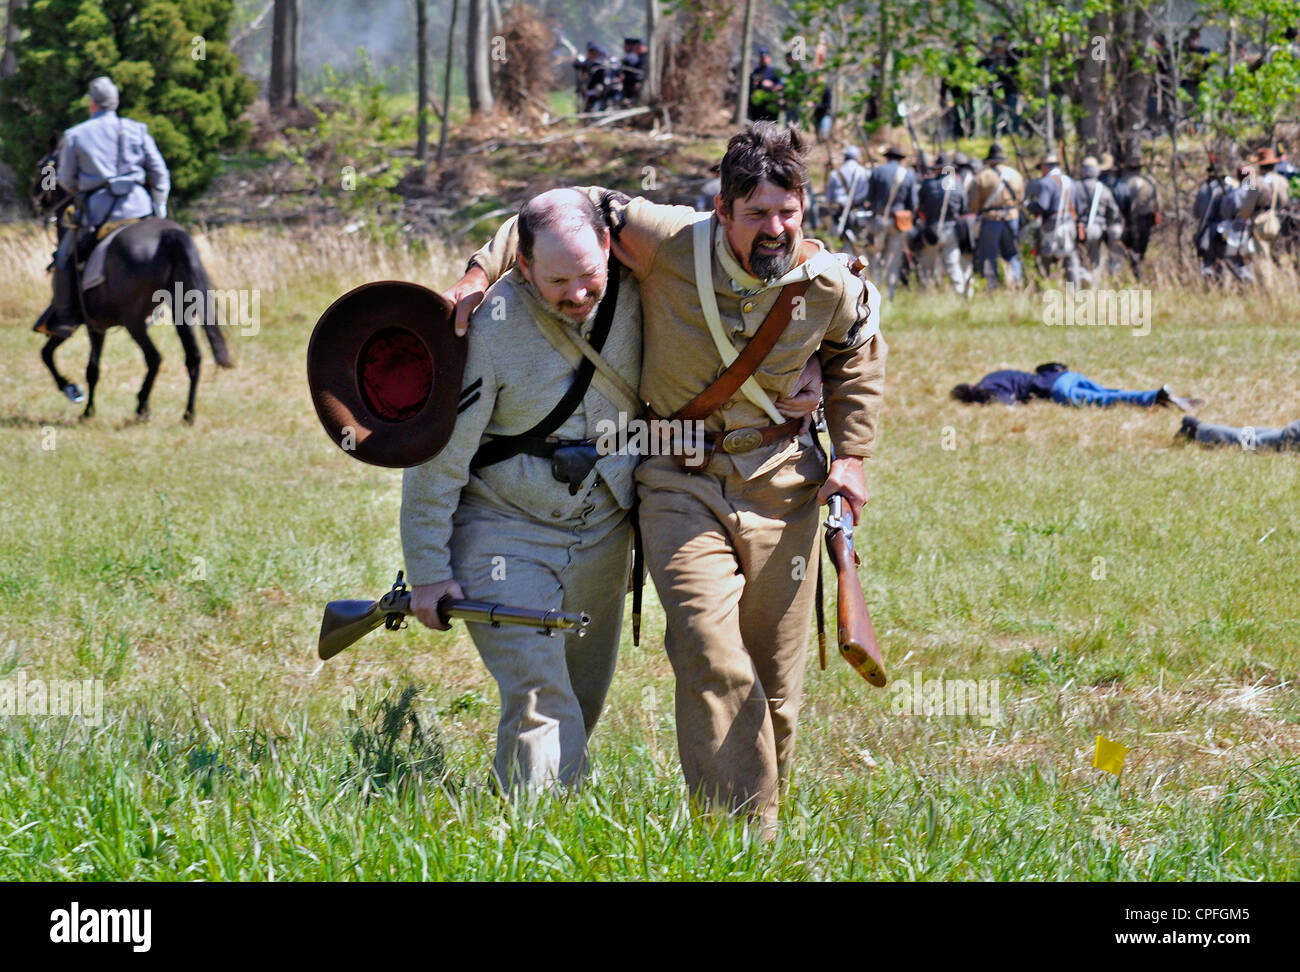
<point>556,513</point>
<point>747,306</point>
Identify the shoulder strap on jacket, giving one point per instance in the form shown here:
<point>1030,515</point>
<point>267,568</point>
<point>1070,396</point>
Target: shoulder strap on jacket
<point>503,447</point>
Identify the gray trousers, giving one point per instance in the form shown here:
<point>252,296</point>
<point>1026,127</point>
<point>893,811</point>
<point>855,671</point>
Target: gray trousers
<point>890,242</point>
<point>945,253</point>
<point>1105,256</point>
<point>552,688</point>
<point>1250,438</point>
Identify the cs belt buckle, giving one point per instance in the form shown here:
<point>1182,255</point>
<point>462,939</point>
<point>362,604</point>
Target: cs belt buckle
<point>742,440</point>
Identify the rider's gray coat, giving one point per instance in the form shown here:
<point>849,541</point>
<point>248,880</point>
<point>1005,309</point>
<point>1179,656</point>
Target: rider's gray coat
<point>107,146</point>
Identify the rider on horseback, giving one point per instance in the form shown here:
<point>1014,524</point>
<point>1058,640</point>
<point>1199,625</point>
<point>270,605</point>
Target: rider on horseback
<point>107,162</point>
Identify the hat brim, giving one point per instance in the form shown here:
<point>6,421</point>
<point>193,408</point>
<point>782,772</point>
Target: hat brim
<point>384,367</point>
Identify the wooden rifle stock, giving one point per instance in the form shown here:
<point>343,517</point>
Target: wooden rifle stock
<point>857,637</point>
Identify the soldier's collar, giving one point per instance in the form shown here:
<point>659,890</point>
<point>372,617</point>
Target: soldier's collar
<point>747,285</point>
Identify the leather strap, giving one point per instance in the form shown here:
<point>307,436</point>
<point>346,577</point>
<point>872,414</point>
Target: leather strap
<point>717,394</point>
<point>499,448</point>
<point>702,244</point>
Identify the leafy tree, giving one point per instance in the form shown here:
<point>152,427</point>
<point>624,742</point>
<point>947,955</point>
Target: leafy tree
<point>168,58</point>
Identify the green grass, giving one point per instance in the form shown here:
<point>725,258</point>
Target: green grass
<point>1112,582</point>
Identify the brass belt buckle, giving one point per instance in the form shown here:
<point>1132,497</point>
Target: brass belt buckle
<point>742,440</point>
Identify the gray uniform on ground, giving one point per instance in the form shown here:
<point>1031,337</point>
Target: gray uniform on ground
<point>512,533</point>
<point>1249,438</point>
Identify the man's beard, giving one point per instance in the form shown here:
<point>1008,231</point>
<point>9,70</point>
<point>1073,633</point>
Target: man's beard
<point>558,309</point>
<point>767,265</point>
<point>594,306</point>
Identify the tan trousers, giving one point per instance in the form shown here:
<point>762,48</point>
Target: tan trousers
<point>735,566</point>
<point>552,688</point>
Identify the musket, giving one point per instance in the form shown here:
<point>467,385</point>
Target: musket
<point>857,636</point>
<point>905,110</point>
<point>346,622</point>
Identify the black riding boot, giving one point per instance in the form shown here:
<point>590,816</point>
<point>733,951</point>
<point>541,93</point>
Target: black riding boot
<point>60,320</point>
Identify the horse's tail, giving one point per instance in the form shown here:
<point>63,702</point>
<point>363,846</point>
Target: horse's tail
<point>194,279</point>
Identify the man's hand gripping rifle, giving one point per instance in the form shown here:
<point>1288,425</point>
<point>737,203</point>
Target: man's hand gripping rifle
<point>348,621</point>
<point>856,635</point>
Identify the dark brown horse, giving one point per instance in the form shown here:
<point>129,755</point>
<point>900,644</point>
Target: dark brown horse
<point>147,257</point>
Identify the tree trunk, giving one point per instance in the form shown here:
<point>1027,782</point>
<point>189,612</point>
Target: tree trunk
<point>742,80</point>
<point>422,80</point>
<point>282,91</point>
<point>1136,85</point>
<point>650,86</point>
<point>9,63</point>
<point>446,79</point>
<point>478,77</point>
<point>1090,89</point>
<point>1049,136</point>
<point>1172,45</point>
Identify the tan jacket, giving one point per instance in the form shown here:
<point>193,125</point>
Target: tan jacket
<point>840,325</point>
<point>986,192</point>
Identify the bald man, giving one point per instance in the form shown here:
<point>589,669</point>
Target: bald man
<point>520,510</point>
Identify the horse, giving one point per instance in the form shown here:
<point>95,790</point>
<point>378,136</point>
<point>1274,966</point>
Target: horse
<point>147,256</point>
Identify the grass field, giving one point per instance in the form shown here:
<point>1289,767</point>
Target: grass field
<point>1109,581</point>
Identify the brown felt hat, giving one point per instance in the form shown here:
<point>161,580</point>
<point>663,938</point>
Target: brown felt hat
<point>384,367</point>
<point>1266,156</point>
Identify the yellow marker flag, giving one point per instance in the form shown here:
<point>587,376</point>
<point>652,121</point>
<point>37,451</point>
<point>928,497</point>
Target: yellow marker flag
<point>1109,756</point>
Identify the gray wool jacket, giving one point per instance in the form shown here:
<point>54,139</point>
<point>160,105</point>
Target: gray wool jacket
<point>513,378</point>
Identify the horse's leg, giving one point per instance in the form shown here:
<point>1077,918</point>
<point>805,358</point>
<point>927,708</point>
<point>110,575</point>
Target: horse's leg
<point>152,359</point>
<point>47,355</point>
<point>191,345</point>
<point>92,370</point>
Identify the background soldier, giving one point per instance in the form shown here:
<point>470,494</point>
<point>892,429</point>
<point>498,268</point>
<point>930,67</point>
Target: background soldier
<point>996,200</point>
<point>1139,203</point>
<point>1100,220</point>
<point>891,194</point>
<point>1205,211</point>
<point>941,202</point>
<point>764,89</point>
<point>1273,196</point>
<point>1052,198</point>
<point>632,72</point>
<point>117,173</point>
<point>847,187</point>
<point>595,78</point>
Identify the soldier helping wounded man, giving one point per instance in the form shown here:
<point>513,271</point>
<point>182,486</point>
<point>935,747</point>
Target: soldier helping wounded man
<point>731,539</point>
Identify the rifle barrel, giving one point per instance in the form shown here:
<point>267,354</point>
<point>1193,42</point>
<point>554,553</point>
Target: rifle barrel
<point>487,612</point>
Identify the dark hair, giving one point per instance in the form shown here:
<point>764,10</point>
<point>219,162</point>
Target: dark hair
<point>541,213</point>
<point>970,393</point>
<point>762,151</point>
